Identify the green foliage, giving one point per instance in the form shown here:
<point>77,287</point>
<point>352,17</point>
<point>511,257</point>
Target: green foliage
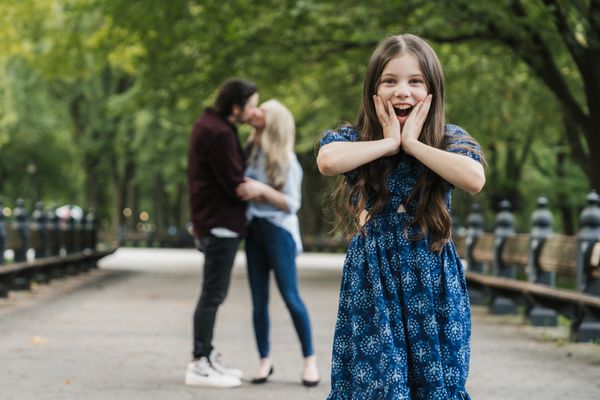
<point>102,94</point>
<point>38,156</point>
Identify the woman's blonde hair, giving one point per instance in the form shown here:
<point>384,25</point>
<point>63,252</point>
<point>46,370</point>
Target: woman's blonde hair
<point>276,141</point>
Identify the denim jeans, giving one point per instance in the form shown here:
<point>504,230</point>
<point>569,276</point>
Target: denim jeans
<point>219,254</point>
<point>270,247</point>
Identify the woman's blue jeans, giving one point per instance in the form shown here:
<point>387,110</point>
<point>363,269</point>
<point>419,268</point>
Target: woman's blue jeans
<point>270,247</point>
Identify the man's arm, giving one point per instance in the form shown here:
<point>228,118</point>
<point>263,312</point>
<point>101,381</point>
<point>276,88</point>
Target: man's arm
<point>226,163</point>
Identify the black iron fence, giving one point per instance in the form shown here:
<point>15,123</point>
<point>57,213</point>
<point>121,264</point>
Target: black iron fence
<point>44,246</point>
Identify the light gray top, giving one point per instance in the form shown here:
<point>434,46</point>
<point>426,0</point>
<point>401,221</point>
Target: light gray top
<point>287,220</point>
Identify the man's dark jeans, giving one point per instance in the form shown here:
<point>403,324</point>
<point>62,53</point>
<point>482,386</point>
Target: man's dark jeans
<point>219,254</point>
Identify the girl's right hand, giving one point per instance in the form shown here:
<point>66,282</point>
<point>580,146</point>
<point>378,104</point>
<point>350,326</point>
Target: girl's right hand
<point>389,123</point>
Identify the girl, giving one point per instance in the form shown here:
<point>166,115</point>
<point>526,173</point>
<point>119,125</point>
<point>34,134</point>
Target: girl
<point>272,187</point>
<point>403,325</point>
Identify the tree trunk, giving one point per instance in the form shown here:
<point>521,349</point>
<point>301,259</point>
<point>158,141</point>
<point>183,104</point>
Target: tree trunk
<point>124,197</point>
<point>158,202</point>
<point>564,208</point>
<point>593,140</point>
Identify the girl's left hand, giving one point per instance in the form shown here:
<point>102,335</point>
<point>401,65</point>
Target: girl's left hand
<point>250,189</point>
<point>414,123</point>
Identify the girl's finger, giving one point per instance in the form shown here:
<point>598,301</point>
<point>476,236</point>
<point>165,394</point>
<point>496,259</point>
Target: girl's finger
<point>415,111</point>
<point>390,110</point>
<point>380,111</point>
<point>424,110</point>
<point>378,106</point>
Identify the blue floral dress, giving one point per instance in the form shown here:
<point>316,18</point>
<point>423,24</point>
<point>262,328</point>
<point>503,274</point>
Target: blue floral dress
<point>404,322</point>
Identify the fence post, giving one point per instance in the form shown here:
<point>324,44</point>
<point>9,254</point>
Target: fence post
<point>53,235</point>
<point>75,228</point>
<point>504,228</point>
<point>541,228</point>
<point>589,234</point>
<point>3,283</point>
<point>39,224</point>
<point>39,241</point>
<point>90,230</point>
<point>475,225</point>
<point>21,228</point>
<point>55,240</point>
<point>68,229</point>
<point>2,233</point>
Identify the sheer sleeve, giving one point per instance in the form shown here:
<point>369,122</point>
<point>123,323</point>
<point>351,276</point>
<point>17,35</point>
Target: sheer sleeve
<point>343,134</point>
<point>460,142</point>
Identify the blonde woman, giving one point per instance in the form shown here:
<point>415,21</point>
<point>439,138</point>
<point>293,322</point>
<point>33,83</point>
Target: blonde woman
<point>272,189</point>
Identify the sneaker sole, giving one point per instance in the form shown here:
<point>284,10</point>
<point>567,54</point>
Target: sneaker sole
<point>200,382</point>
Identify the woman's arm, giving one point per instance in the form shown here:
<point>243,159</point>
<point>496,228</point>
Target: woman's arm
<point>253,190</point>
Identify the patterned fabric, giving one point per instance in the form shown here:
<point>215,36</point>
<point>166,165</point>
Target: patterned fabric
<point>404,323</point>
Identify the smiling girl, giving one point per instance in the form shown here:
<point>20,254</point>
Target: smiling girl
<point>403,326</point>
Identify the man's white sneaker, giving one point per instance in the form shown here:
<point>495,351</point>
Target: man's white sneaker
<point>216,363</point>
<point>202,373</point>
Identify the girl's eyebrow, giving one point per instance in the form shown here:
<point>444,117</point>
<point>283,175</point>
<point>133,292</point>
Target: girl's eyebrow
<point>418,75</point>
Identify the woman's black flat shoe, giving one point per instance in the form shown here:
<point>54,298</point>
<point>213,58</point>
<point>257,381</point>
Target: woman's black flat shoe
<point>310,383</point>
<point>263,379</point>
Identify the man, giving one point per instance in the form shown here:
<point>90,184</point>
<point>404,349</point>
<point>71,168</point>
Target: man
<point>215,169</point>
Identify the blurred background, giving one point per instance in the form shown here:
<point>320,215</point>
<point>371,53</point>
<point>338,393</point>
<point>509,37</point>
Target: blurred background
<point>98,96</point>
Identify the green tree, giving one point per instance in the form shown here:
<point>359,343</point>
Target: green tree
<point>558,40</point>
<point>119,88</point>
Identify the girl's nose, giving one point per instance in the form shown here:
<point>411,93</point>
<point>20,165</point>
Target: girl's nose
<point>402,91</point>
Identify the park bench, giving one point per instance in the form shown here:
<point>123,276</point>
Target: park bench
<point>497,261</point>
<point>60,248</point>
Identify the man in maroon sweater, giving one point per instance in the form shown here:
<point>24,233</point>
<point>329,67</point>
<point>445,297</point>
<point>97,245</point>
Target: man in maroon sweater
<point>215,168</point>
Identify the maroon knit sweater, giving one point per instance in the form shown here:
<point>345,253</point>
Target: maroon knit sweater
<point>215,168</point>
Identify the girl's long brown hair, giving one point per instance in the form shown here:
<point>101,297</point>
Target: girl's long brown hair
<point>431,214</point>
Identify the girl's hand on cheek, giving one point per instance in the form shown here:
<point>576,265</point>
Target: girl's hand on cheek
<point>388,121</point>
<point>414,123</point>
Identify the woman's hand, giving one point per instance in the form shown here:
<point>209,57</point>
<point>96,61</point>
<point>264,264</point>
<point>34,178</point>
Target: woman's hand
<point>257,191</point>
<point>414,124</point>
<point>389,123</point>
<point>251,190</point>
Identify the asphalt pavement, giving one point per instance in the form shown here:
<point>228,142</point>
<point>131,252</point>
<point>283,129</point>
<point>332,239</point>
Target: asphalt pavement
<point>124,332</point>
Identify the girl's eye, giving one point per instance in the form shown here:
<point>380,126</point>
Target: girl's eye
<point>416,81</point>
<point>388,81</point>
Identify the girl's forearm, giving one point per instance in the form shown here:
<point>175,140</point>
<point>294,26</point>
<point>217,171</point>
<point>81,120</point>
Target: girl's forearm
<point>340,157</point>
<point>459,170</point>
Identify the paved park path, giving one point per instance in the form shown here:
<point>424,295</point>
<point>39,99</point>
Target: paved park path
<point>124,332</point>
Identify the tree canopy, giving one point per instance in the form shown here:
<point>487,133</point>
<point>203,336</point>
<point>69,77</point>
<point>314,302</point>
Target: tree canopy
<point>99,96</point>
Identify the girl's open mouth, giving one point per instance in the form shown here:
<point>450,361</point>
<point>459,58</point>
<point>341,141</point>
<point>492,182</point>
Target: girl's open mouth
<point>402,112</point>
